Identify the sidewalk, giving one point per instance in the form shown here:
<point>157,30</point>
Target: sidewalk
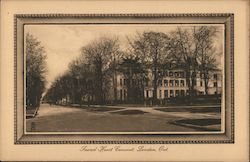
<point>154,107</point>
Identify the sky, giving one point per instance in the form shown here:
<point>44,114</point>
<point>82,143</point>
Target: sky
<point>62,43</point>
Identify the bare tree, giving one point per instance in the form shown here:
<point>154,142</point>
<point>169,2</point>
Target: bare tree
<point>81,74</point>
<point>102,53</point>
<point>35,71</point>
<point>138,49</point>
<point>115,59</point>
<point>205,39</point>
<point>185,53</point>
<point>131,68</point>
<point>194,49</point>
<point>73,85</point>
<point>90,74</point>
<point>152,49</point>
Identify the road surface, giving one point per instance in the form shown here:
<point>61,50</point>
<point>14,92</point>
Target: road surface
<point>112,119</point>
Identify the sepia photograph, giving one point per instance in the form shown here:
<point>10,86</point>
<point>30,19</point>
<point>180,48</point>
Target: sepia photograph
<point>127,78</point>
<point>124,80</point>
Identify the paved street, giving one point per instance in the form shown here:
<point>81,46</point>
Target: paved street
<point>56,118</point>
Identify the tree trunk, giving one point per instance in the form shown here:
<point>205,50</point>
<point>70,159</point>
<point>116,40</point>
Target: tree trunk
<point>115,87</point>
<point>99,83</point>
<point>143,88</point>
<point>187,71</point>
<point>206,82</point>
<point>193,78</point>
<point>155,92</point>
<point>155,71</point>
<point>155,86</point>
<point>129,94</point>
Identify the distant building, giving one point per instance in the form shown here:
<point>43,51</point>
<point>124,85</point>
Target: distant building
<point>172,83</point>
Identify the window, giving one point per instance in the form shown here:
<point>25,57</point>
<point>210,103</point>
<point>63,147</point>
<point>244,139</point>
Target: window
<point>165,93</point>
<point>176,74</point>
<point>125,94</point>
<point>120,82</point>
<point>160,94</point>
<point>215,84</point>
<point>176,83</point>
<point>165,83</point>
<point>182,83</point>
<point>171,83</point>
<point>159,82</point>
<point>201,83</point>
<point>182,93</point>
<point>121,94</point>
<point>215,76</point>
<point>166,73</point>
<point>125,82</point>
<point>147,94</point>
<point>170,73</point>
<point>171,93</point>
<point>177,93</point>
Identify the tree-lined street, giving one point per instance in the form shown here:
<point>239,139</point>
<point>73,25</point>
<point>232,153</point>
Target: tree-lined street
<point>143,83</point>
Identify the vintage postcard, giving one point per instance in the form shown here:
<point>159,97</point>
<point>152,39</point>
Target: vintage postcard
<point>139,75</point>
<point>129,83</point>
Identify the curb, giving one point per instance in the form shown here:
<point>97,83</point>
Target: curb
<point>32,115</point>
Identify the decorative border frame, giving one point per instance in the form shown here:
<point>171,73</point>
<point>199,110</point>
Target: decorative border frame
<point>227,137</point>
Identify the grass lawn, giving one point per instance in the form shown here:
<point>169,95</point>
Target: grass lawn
<point>102,109</point>
<point>200,122</point>
<point>129,112</point>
